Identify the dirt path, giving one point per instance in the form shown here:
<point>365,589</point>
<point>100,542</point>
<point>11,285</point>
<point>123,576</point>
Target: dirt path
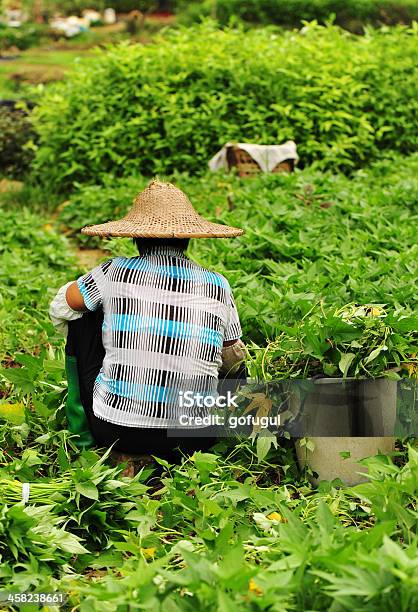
<point>89,258</point>
<point>86,257</point>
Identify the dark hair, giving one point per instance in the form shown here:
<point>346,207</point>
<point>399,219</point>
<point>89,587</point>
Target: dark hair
<point>143,244</point>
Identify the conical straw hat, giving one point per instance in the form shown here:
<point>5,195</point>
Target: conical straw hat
<point>162,211</point>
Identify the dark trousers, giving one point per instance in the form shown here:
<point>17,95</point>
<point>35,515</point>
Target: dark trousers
<point>84,343</point>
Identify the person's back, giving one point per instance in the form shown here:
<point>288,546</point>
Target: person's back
<point>166,320</point>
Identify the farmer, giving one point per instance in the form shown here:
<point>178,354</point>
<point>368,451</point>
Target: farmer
<point>140,327</point>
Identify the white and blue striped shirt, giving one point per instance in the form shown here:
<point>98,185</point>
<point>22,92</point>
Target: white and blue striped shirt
<point>165,321</point>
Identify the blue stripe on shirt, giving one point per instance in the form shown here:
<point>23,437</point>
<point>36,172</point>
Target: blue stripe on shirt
<point>140,392</point>
<point>151,393</point>
<point>85,293</point>
<point>165,327</point>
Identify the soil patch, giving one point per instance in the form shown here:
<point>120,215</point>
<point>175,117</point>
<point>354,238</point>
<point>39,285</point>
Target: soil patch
<point>89,258</point>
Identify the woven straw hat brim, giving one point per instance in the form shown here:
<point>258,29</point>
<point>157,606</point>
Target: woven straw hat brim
<point>162,211</point>
<point>125,228</point>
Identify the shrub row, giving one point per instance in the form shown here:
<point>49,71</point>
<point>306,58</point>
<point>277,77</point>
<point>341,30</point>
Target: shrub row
<point>170,105</point>
<point>71,7</point>
<point>350,14</point>
<point>28,35</point>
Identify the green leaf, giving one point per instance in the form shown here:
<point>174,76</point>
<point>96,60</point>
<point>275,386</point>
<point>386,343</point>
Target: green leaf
<point>346,360</point>
<point>310,445</point>
<point>68,542</point>
<point>225,603</point>
<point>375,353</point>
<point>87,489</point>
<point>21,377</point>
<point>63,459</point>
<point>264,443</point>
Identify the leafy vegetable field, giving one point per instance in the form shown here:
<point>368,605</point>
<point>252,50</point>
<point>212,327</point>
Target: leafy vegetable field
<point>223,530</point>
<point>325,281</point>
<point>218,532</point>
<point>309,236</point>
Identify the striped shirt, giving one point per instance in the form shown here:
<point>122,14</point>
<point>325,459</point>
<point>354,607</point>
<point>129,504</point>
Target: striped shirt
<point>165,321</point>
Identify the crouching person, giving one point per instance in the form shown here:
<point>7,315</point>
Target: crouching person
<point>140,327</point>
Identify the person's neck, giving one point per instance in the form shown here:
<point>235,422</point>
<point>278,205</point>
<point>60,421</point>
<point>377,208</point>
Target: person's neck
<point>162,250</point>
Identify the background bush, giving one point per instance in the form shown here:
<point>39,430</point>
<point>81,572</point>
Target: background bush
<point>171,105</point>
<point>28,35</point>
<point>15,132</point>
<point>71,7</point>
<point>351,14</point>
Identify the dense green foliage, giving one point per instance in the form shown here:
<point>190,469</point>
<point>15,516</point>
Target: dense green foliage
<point>28,35</point>
<point>91,204</point>
<point>221,531</point>
<point>219,528</point>
<point>309,236</point>
<point>76,7</point>
<point>239,527</point>
<point>170,105</point>
<point>352,341</point>
<point>15,132</point>
<point>34,261</point>
<point>351,14</point>
<point>217,531</point>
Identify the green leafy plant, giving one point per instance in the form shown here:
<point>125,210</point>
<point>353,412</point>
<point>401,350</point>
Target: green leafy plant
<point>92,497</point>
<point>101,538</point>
<point>35,532</point>
<point>34,262</point>
<point>237,528</point>
<point>352,341</point>
<point>92,202</point>
<point>226,529</point>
